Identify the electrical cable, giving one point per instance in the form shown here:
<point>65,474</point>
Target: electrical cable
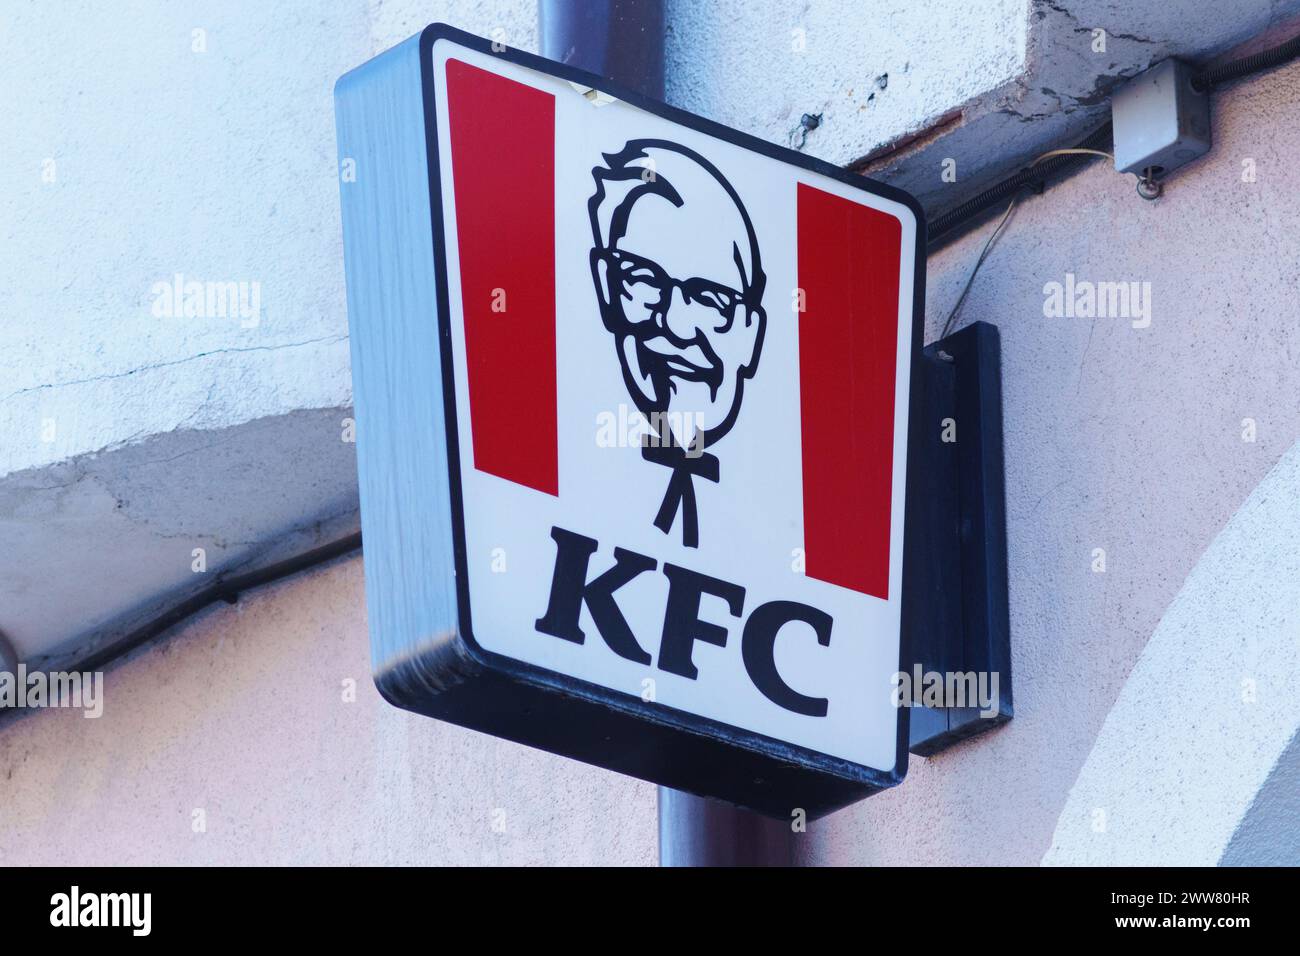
<point>225,589</point>
<point>1006,217</point>
<point>1213,76</point>
<point>1035,175</point>
<point>970,280</point>
<point>1059,160</point>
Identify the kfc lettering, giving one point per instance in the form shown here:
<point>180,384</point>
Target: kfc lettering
<point>571,589</point>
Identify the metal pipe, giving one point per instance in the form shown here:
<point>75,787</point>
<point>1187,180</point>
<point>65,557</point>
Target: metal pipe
<point>697,831</point>
<point>624,41</point>
<point>619,39</point>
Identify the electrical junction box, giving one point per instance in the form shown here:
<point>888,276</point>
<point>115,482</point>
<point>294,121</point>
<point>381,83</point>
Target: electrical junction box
<point>1161,122</point>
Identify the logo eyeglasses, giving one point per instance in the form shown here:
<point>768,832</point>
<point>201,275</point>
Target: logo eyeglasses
<point>632,270</point>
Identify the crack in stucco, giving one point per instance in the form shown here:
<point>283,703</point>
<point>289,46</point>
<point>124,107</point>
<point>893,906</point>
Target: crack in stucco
<point>327,339</point>
<point>192,451</point>
<point>1133,37</point>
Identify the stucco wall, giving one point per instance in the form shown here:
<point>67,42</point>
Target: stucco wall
<point>242,715</point>
<point>1129,440</point>
<point>870,72</point>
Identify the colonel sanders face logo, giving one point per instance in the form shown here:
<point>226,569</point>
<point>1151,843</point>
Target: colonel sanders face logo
<point>680,285</point>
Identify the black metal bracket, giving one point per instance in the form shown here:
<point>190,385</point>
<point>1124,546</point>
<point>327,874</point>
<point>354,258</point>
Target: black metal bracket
<point>956,559</point>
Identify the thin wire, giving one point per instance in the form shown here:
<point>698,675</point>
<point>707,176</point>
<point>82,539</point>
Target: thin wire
<point>944,227</point>
<point>988,245</point>
<point>1073,151</point>
<point>1006,217</point>
<point>1203,81</point>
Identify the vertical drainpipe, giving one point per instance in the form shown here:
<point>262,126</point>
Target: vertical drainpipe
<point>624,41</point>
<point>619,39</point>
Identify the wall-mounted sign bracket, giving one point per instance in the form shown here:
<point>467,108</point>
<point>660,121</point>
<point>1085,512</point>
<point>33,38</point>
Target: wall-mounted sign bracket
<point>956,562</point>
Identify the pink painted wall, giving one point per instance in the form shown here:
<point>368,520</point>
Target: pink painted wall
<point>241,714</point>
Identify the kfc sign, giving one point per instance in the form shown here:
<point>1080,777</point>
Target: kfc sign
<point>665,410</point>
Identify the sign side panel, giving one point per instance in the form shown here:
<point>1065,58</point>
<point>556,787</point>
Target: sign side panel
<point>396,362</point>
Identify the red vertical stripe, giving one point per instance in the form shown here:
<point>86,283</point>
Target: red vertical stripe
<point>503,173</point>
<point>848,340</point>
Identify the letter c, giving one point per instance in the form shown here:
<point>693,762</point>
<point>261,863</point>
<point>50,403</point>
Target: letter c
<point>758,646</point>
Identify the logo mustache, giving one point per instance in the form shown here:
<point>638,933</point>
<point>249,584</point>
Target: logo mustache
<point>660,357</point>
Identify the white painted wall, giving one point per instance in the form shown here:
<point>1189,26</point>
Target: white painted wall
<point>213,156</point>
<point>218,165</point>
<point>873,71</point>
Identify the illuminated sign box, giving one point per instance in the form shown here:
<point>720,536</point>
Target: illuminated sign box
<point>632,394</point>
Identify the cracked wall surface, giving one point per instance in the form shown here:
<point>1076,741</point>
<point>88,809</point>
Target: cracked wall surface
<point>873,72</point>
<point>138,149</point>
<point>1076,54</point>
